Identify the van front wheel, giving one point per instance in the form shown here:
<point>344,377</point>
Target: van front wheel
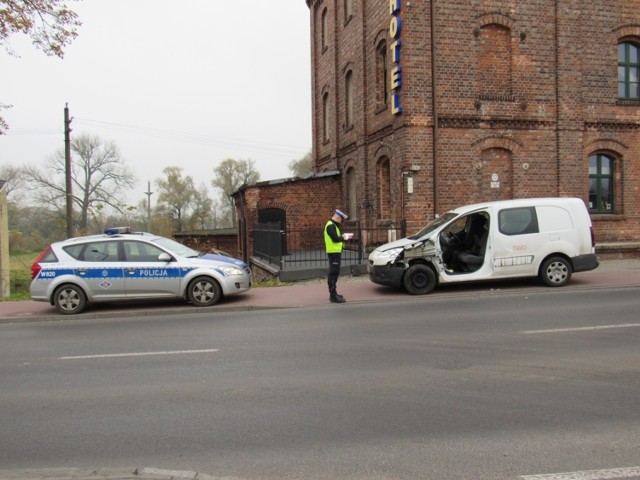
<point>555,272</point>
<point>419,279</point>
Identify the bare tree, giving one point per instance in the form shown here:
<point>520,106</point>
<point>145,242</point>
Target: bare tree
<point>99,178</point>
<point>230,175</point>
<point>3,124</point>
<point>50,24</point>
<point>14,176</point>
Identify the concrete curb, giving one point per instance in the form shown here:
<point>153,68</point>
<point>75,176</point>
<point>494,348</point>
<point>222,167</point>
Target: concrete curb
<point>146,473</point>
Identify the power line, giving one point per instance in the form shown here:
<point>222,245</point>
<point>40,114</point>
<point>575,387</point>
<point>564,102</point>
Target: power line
<point>33,131</point>
<point>196,138</point>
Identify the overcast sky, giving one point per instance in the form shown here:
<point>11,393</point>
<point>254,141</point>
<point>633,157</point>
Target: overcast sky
<point>186,83</point>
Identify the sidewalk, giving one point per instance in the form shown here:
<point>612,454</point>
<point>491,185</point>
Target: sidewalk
<point>618,273</point>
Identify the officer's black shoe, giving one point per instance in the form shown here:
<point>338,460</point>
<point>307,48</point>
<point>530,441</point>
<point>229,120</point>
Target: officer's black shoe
<point>337,299</point>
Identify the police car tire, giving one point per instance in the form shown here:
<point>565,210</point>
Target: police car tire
<point>419,279</point>
<point>69,299</point>
<point>204,292</point>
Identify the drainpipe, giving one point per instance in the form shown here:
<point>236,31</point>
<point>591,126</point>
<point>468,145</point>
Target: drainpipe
<point>434,107</point>
<point>558,117</point>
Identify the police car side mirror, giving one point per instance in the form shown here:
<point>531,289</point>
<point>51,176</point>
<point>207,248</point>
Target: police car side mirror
<point>164,257</point>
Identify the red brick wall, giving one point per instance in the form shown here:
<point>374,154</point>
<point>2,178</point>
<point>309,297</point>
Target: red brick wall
<point>307,203</point>
<point>533,117</point>
<point>210,242</point>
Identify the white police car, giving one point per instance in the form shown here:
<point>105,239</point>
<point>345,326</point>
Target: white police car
<point>121,265</point>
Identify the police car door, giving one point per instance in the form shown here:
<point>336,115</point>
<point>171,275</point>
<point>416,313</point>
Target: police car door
<point>100,269</point>
<point>147,276</point>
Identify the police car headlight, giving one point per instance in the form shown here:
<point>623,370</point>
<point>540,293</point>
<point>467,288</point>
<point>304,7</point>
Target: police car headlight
<point>391,253</point>
<point>230,270</point>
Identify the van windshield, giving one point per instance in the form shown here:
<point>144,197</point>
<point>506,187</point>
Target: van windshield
<point>434,225</point>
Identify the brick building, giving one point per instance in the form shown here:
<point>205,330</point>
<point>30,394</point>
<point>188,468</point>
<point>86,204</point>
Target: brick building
<point>420,106</point>
<point>425,105</point>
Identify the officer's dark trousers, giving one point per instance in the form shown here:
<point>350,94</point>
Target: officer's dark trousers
<point>334,272</point>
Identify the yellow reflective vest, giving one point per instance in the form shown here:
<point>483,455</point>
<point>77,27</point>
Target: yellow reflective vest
<point>330,245</point>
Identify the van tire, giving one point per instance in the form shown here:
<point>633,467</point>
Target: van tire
<point>555,272</point>
<point>419,279</point>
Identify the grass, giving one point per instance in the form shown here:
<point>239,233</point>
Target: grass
<point>266,282</point>
<point>20,276</point>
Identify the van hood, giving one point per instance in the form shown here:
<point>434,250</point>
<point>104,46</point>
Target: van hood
<point>403,242</point>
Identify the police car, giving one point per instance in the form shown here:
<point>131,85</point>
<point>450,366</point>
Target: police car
<point>123,265</point>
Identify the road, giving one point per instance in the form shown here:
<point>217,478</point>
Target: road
<point>492,386</point>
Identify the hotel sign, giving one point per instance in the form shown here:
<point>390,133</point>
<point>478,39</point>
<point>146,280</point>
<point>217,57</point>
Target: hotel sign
<point>395,27</point>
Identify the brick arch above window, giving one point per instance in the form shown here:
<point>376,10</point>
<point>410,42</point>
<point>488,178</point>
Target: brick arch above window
<point>505,143</point>
<point>383,150</point>
<point>350,163</point>
<point>495,18</point>
<point>605,145</point>
<point>627,32</point>
<point>348,67</point>
<point>382,36</point>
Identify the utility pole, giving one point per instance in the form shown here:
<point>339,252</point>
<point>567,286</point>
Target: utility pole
<point>5,273</point>
<point>67,169</point>
<point>148,193</point>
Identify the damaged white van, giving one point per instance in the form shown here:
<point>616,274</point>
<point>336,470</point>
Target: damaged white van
<point>550,238</point>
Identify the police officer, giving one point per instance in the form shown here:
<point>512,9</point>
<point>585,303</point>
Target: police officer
<point>333,240</point>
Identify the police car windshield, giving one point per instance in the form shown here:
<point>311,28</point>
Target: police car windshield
<point>434,225</point>
<point>177,248</point>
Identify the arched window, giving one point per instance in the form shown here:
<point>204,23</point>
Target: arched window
<point>494,61</point>
<point>348,10</point>
<point>384,189</point>
<point>601,184</point>
<point>382,75</point>
<point>325,117</point>
<point>351,193</point>
<point>628,71</point>
<point>348,99</point>
<point>324,30</point>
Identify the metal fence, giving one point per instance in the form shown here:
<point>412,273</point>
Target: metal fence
<point>304,248</point>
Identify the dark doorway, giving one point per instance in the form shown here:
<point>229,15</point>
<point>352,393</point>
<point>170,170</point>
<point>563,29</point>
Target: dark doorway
<point>276,217</point>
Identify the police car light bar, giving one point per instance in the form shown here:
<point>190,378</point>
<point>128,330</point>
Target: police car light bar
<point>116,230</point>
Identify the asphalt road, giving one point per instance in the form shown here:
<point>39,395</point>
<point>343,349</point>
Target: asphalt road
<point>468,387</point>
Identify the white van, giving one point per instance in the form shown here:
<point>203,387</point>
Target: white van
<point>546,237</point>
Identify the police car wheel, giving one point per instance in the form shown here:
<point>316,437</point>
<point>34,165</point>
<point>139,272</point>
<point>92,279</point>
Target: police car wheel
<point>204,292</point>
<point>555,272</point>
<point>419,279</point>
<point>69,299</point>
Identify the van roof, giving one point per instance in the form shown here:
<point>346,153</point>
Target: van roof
<point>532,202</point>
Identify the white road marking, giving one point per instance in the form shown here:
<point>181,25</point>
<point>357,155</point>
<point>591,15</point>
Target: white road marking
<point>139,354</point>
<point>583,329</point>
<point>588,474</point>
